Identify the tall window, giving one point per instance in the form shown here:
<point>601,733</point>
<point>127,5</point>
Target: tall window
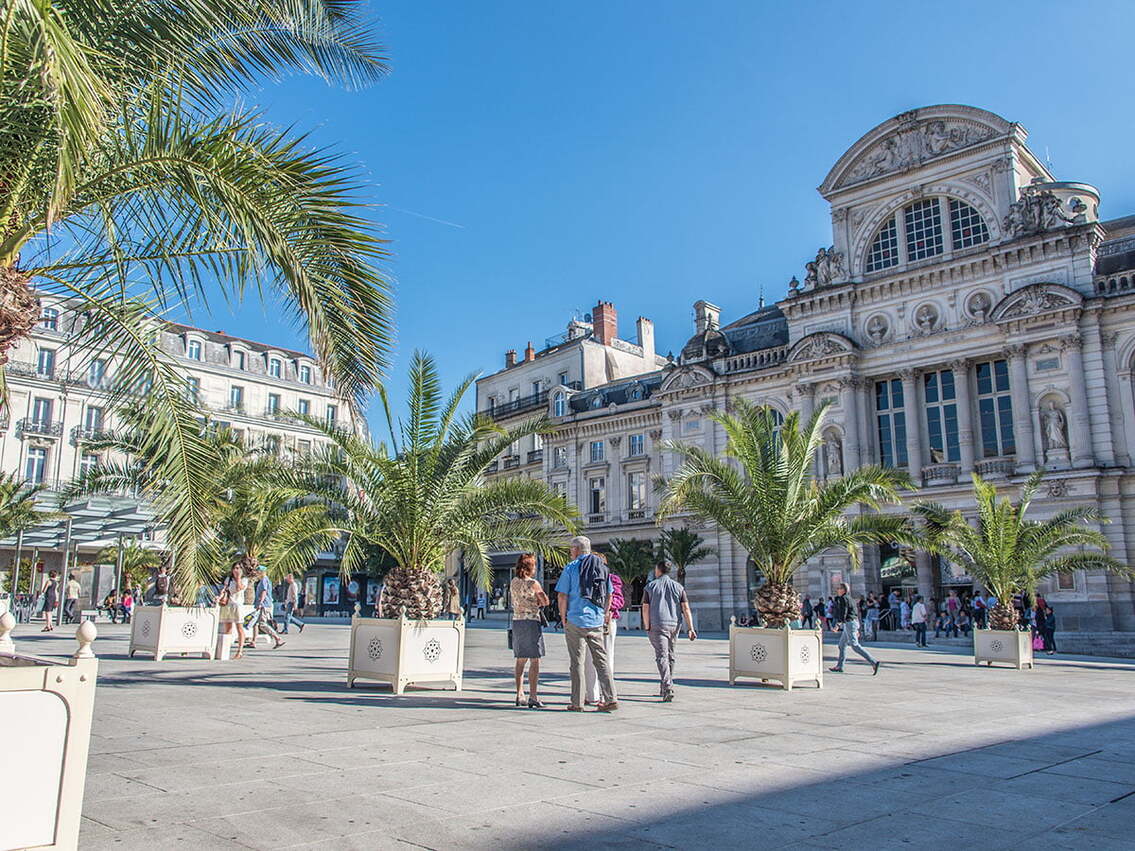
<point>92,419</point>
<point>559,456</point>
<point>924,234</point>
<point>272,442</point>
<point>966,225</point>
<point>995,409</point>
<point>537,442</point>
<point>597,453</point>
<point>45,363</point>
<point>560,489</point>
<point>193,389</point>
<point>332,414</point>
<point>41,411</point>
<point>884,251</point>
<point>564,379</point>
<point>636,491</point>
<point>598,497</point>
<point>559,405</point>
<point>193,350</point>
<point>36,465</point>
<point>304,407</point>
<point>273,403</point>
<point>923,229</point>
<point>236,397</point>
<point>96,373</point>
<point>241,360</point>
<point>941,415</point>
<point>890,419</point>
<point>88,463</point>
<point>49,319</point>
<point>535,388</point>
<point>635,445</point>
<point>305,374</point>
<point>275,367</point>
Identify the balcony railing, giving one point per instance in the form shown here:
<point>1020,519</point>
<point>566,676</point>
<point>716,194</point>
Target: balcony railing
<point>82,434</point>
<point>535,455</point>
<point>597,519</point>
<point>493,467</point>
<point>993,468</point>
<point>39,428</point>
<point>524,403</point>
<point>511,461</point>
<point>941,474</point>
<point>636,514</point>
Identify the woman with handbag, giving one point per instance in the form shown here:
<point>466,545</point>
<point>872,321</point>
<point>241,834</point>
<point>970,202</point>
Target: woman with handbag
<point>232,592</point>
<point>527,628</point>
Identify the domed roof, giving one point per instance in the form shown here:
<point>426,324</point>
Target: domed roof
<point>707,345</point>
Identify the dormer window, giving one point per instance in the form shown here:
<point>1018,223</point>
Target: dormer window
<point>240,360</point>
<point>924,234</point>
<point>559,405</point>
<point>193,350</point>
<point>305,374</point>
<point>597,403</point>
<point>275,367</point>
<point>49,319</point>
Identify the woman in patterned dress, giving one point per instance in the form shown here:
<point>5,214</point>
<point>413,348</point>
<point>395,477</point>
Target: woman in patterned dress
<point>527,633</point>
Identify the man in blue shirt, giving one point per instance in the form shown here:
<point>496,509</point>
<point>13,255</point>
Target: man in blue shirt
<point>264,607</point>
<point>585,623</point>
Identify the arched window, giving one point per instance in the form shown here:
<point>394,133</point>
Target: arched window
<point>559,405</point>
<point>924,233</point>
<point>597,402</point>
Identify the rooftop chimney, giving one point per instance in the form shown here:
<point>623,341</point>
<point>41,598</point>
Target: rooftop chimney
<point>706,316</point>
<point>646,338</point>
<point>605,322</point>
<point>529,353</point>
<point>510,358</point>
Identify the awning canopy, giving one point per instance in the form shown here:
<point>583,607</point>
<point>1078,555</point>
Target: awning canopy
<point>94,521</point>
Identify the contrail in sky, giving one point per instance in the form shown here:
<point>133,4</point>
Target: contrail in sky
<point>428,218</point>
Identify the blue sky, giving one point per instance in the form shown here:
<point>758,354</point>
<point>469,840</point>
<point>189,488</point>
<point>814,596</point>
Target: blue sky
<point>528,159</point>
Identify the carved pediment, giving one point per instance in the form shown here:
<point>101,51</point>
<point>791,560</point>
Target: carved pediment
<point>687,378</point>
<point>822,344</point>
<point>1034,300</point>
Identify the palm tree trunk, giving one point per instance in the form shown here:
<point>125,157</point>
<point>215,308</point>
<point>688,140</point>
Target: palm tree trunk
<point>778,603</point>
<point>19,309</point>
<point>1003,616</point>
<point>413,591</point>
<point>682,574</point>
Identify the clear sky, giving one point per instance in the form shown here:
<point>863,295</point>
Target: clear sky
<point>532,158</point>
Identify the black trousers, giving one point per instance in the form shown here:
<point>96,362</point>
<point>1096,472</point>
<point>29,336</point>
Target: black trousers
<point>920,634</point>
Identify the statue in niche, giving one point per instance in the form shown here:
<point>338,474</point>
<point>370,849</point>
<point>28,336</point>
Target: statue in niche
<point>1054,427</point>
<point>833,455</point>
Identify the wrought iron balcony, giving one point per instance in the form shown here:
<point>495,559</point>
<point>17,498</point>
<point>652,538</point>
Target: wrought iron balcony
<point>82,434</point>
<point>524,403</point>
<point>493,467</point>
<point>39,428</point>
<point>511,461</point>
<point>535,455</point>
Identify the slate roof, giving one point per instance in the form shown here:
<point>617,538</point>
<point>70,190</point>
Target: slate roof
<point>617,392</point>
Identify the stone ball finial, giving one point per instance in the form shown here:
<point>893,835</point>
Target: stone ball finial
<point>85,635</point>
<point>7,624</point>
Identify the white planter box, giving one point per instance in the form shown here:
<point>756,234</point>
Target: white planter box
<point>45,711</point>
<point>400,651</point>
<point>1011,646</point>
<point>162,630</point>
<point>786,656</point>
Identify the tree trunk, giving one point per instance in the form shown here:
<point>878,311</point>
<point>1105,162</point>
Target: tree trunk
<point>414,591</point>
<point>19,309</point>
<point>682,574</point>
<point>1003,616</point>
<point>779,604</point>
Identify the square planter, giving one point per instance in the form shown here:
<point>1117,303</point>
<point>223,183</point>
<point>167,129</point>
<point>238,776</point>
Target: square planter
<point>1009,646</point>
<point>45,711</point>
<point>787,656</point>
<point>400,651</point>
<point>162,630</point>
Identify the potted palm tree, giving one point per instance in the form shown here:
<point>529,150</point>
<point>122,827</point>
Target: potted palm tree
<point>1008,554</point>
<point>19,511</point>
<point>421,497</point>
<point>765,493</point>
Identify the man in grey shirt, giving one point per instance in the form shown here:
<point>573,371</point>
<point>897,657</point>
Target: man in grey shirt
<point>663,600</point>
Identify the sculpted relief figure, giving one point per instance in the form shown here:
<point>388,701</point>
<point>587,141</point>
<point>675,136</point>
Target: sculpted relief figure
<point>827,268</point>
<point>1036,211</point>
<point>913,145</point>
<point>1054,427</point>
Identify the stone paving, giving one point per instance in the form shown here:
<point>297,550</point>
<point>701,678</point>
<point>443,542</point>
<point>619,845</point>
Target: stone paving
<point>274,751</point>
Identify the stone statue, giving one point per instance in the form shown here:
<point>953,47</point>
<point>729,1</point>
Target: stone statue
<point>1053,425</point>
<point>827,268</point>
<point>1036,211</point>
<point>833,454</point>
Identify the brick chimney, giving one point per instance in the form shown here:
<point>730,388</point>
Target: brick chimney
<point>510,358</point>
<point>605,322</point>
<point>529,353</point>
<point>646,338</point>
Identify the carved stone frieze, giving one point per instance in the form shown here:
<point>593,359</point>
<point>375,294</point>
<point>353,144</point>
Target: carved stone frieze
<point>914,144</point>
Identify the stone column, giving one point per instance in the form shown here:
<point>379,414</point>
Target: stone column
<point>965,415</point>
<point>804,395</point>
<point>848,395</point>
<point>925,571</point>
<point>1114,388</point>
<point>913,413</point>
<point>1079,425</point>
<point>1022,408</point>
<point>867,449</point>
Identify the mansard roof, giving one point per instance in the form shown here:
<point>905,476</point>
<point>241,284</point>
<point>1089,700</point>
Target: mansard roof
<point>616,393</point>
<point>765,328</point>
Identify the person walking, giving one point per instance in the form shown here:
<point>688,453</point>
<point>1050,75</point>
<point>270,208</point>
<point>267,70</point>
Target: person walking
<point>663,600</point>
<point>528,598</point>
<point>482,603</point>
<point>590,675</point>
<point>807,613</point>
<point>162,586</point>
<point>918,616</point>
<point>264,604</point>
<point>50,593</point>
<point>846,620</point>
<point>872,623</point>
<point>584,596</point>
<point>452,599</point>
<point>232,593</point>
<point>291,600</point>
<point>1048,630</point>
<point>71,598</point>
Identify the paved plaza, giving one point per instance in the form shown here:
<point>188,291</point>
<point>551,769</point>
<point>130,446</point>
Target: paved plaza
<point>273,751</point>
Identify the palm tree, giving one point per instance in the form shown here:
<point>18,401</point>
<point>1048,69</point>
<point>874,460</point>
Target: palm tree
<point>132,181</point>
<point>1008,554</point>
<point>18,510</point>
<point>765,494</point>
<point>630,558</point>
<point>423,495</point>
<point>682,547</point>
<point>137,562</point>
